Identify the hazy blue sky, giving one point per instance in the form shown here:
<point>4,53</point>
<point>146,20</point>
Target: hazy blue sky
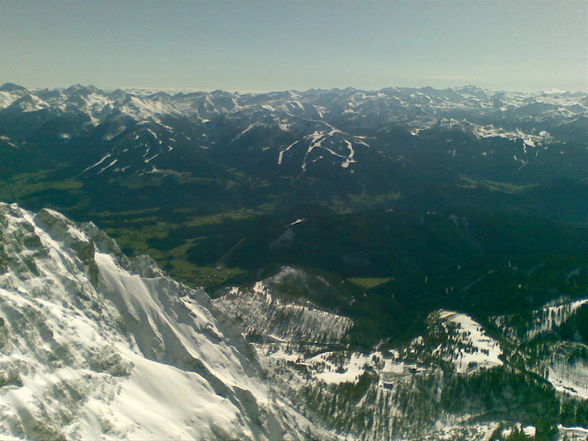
<point>296,44</point>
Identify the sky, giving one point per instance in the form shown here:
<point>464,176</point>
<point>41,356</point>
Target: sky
<point>262,45</point>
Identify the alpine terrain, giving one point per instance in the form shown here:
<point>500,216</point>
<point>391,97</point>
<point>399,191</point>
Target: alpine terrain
<point>402,264</point>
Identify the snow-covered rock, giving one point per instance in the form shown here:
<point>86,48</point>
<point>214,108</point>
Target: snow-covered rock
<point>96,346</point>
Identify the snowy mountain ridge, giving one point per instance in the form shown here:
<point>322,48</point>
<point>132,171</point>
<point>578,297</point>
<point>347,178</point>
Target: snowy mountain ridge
<point>91,349</point>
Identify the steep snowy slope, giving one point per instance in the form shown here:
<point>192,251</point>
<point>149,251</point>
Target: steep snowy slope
<point>94,346</point>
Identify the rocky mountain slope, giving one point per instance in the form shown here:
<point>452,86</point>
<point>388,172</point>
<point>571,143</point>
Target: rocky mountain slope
<point>97,346</point>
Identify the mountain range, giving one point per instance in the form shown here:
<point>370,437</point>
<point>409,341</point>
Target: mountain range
<point>222,150</point>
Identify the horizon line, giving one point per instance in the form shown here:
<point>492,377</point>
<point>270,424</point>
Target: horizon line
<point>178,90</point>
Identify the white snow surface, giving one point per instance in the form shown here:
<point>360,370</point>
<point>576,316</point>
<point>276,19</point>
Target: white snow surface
<point>572,433</point>
<point>91,349</point>
<point>473,349</point>
<point>350,372</point>
<point>569,378</point>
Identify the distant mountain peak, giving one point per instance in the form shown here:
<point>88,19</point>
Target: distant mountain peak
<point>11,87</point>
<point>79,89</point>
